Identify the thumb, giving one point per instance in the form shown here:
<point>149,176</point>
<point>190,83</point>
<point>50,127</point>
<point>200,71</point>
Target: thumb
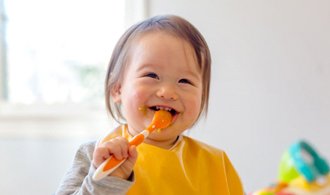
<point>131,160</point>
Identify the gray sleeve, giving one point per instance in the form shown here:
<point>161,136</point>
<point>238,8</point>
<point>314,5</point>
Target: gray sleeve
<point>78,179</point>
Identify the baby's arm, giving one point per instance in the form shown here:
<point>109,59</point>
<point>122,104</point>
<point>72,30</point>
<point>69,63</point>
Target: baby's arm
<point>78,180</point>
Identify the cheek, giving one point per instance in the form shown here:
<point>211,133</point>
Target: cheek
<point>193,106</point>
<point>132,106</point>
<point>138,96</point>
<point>134,98</point>
<point>196,107</point>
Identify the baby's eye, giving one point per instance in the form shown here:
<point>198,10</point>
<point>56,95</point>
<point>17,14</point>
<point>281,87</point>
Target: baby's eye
<point>185,81</point>
<point>152,75</point>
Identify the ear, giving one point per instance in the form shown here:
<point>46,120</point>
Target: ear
<point>116,93</point>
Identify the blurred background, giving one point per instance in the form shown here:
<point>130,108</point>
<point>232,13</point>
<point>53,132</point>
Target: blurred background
<point>270,81</point>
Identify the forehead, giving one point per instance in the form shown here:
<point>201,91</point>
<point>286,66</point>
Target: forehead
<point>165,47</point>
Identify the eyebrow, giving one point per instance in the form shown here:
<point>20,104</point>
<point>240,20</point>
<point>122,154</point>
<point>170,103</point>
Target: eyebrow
<point>144,66</point>
<point>194,74</point>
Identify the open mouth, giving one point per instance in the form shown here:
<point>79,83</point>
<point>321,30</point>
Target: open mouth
<point>170,110</point>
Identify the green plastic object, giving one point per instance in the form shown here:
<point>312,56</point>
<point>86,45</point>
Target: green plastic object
<point>301,159</point>
<point>287,171</point>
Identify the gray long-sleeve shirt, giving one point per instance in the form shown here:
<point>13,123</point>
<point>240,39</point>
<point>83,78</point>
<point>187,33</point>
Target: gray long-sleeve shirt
<point>78,179</point>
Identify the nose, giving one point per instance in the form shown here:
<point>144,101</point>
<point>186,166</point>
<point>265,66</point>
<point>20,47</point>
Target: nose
<point>167,92</point>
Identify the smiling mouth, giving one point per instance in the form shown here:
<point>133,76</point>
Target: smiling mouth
<point>170,110</point>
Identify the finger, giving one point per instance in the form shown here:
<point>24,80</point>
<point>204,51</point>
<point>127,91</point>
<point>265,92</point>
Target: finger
<point>123,148</point>
<point>123,143</point>
<point>117,147</point>
<point>99,155</point>
<point>127,167</point>
<point>132,154</point>
<point>113,147</point>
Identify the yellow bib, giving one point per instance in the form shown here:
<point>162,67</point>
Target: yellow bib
<point>191,167</point>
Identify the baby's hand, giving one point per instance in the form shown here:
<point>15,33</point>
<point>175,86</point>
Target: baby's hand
<point>120,149</point>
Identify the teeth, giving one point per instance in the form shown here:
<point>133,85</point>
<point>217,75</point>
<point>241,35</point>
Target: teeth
<point>163,108</point>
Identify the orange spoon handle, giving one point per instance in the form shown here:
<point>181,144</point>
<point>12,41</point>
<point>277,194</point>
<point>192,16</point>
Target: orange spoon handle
<point>138,139</point>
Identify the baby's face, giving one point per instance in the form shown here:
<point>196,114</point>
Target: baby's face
<point>162,73</point>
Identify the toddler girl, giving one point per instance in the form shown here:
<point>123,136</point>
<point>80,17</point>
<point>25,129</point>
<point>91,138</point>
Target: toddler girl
<point>160,63</point>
